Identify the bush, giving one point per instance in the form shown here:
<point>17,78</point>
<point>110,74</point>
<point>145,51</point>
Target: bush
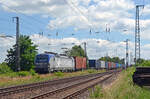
<point>145,63</point>
<point>32,72</point>
<point>59,74</point>
<point>91,71</point>
<point>23,73</point>
<point>4,68</point>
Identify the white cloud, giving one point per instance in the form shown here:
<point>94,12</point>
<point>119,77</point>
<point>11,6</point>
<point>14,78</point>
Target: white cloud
<point>76,13</point>
<point>5,44</point>
<point>119,14</point>
<point>146,10</point>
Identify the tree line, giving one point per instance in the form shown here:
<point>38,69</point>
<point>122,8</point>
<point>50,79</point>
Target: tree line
<point>113,59</point>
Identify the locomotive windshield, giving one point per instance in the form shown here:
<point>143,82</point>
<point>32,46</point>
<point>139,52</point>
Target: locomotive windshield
<point>41,59</point>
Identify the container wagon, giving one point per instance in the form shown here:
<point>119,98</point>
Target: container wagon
<point>106,65</point>
<point>114,65</point>
<point>102,64</point>
<point>80,63</point>
<point>117,65</point>
<point>109,65</point>
<point>92,64</point>
<point>98,64</point>
<point>95,64</point>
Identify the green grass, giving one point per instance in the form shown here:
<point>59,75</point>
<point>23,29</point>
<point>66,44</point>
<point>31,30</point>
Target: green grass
<point>97,93</point>
<point>23,77</point>
<point>59,74</point>
<point>123,88</point>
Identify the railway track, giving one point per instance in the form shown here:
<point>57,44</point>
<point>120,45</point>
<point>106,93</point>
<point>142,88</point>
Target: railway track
<point>71,91</point>
<point>6,92</point>
<point>26,87</point>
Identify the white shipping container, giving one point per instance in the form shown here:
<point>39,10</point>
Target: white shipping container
<point>98,64</point>
<point>102,64</point>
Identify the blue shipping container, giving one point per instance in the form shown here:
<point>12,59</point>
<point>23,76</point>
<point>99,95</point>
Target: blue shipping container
<point>106,65</point>
<point>92,63</point>
<point>117,65</point>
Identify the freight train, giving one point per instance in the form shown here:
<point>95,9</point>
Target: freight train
<point>48,62</point>
<point>97,64</point>
<point>51,62</point>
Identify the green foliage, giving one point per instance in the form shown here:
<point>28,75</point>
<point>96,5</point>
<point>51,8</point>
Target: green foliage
<point>140,61</point>
<point>114,59</point>
<point>144,63</point>
<point>20,74</point>
<point>91,71</point>
<point>97,94</point>
<point>76,51</point>
<point>28,52</point>
<point>4,68</point>
<point>59,74</point>
<point>32,72</point>
<point>124,88</point>
<point>23,73</point>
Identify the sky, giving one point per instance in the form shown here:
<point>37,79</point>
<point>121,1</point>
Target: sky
<point>64,22</point>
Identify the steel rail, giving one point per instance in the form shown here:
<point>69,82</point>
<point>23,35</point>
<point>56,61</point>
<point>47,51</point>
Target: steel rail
<point>70,96</point>
<point>22,88</point>
<point>41,96</point>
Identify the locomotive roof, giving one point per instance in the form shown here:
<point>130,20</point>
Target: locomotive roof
<point>46,54</point>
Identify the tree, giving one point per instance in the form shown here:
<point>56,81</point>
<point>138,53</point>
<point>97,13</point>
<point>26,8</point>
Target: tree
<point>114,59</point>
<point>28,52</point>
<point>140,61</point>
<point>76,51</point>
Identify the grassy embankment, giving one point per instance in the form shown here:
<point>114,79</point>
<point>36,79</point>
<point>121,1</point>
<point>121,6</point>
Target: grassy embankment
<point>18,78</point>
<point>122,88</point>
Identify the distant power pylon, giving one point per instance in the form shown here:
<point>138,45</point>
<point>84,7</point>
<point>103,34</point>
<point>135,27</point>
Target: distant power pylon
<point>137,33</point>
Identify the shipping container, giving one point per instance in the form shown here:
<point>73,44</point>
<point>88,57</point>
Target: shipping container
<point>98,64</point>
<point>103,64</point>
<point>114,65</point>
<point>117,65</point>
<point>80,63</point>
<point>106,65</point>
<point>92,64</point>
<point>109,65</point>
<point>85,63</point>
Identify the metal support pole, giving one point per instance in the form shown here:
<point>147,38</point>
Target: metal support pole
<point>85,53</point>
<point>127,53</point>
<point>17,43</point>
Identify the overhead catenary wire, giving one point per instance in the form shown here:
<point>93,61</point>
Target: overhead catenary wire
<point>13,9</point>
<point>26,27</point>
<point>29,17</point>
